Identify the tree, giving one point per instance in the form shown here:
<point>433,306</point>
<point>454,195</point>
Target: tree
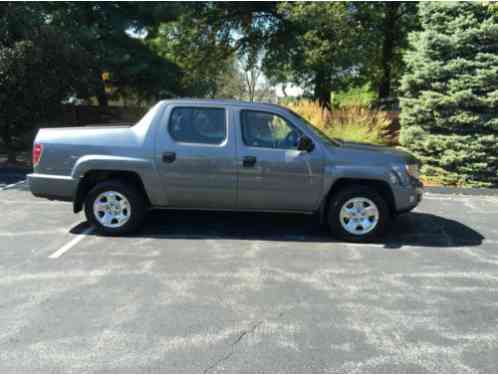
<point>317,46</point>
<point>112,34</point>
<point>449,93</point>
<point>231,84</point>
<point>52,51</point>
<point>207,37</point>
<point>198,48</point>
<point>242,83</point>
<point>335,46</point>
<point>386,25</point>
<point>39,67</point>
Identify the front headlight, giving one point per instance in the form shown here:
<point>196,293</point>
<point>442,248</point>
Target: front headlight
<point>403,172</point>
<point>412,170</point>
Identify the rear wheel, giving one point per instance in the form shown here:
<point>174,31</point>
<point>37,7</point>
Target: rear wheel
<point>115,208</point>
<point>358,214</point>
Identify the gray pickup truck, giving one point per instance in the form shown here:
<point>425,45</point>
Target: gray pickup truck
<point>223,155</point>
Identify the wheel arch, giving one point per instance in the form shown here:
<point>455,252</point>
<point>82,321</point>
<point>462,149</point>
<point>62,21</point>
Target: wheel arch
<point>93,177</point>
<point>380,186</point>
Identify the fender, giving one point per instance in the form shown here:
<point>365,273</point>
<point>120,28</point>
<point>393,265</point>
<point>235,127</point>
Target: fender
<point>336,176</point>
<point>144,168</point>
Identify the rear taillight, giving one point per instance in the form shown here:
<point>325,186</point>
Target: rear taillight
<point>37,153</point>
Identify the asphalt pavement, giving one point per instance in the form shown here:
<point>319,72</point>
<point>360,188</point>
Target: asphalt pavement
<point>225,292</point>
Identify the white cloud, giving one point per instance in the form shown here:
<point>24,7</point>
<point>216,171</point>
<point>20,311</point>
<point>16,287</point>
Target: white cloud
<point>290,90</point>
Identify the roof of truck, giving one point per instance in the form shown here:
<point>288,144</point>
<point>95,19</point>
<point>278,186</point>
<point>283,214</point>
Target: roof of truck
<point>222,102</point>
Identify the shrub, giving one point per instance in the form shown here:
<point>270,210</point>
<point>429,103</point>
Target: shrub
<point>354,124</point>
<point>362,97</point>
<point>311,111</point>
<point>359,125</point>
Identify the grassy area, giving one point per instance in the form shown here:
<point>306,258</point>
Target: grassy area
<point>349,123</point>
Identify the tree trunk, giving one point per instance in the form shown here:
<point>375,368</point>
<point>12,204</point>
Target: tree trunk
<point>11,156</point>
<point>7,141</point>
<point>391,16</point>
<point>284,90</point>
<point>101,94</point>
<point>322,91</point>
<point>249,85</point>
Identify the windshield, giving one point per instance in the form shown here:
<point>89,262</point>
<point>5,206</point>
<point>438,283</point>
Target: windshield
<point>324,137</point>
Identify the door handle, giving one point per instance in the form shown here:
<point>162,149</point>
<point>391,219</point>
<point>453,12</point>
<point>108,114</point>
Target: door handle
<point>248,161</point>
<point>169,157</point>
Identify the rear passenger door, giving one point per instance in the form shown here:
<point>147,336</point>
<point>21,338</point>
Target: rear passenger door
<point>196,157</point>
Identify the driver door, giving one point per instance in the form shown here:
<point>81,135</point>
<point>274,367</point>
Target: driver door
<point>273,174</point>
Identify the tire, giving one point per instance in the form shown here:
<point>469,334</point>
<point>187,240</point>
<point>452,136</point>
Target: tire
<point>127,214</point>
<point>366,225</point>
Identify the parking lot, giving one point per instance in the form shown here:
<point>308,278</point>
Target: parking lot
<point>213,292</point>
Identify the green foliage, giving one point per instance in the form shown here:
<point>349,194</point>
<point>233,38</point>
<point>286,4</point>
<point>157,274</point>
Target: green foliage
<point>353,124</point>
<point>362,96</point>
<point>322,47</point>
<point>39,67</point>
<point>387,25</point>
<point>197,49</point>
<point>239,83</point>
<point>50,52</point>
<point>109,33</point>
<point>330,46</point>
<point>230,83</point>
<point>317,45</point>
<point>449,118</point>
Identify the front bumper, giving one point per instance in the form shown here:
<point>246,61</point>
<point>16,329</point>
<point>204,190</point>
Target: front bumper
<point>406,198</point>
<point>52,186</point>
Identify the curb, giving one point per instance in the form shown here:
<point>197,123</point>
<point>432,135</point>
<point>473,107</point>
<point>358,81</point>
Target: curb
<point>461,191</point>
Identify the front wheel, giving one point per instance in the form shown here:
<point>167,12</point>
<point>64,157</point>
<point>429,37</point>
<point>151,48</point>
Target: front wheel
<point>358,214</point>
<point>115,208</point>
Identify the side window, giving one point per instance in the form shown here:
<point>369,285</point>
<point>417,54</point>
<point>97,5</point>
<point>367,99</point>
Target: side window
<point>264,129</point>
<point>198,125</point>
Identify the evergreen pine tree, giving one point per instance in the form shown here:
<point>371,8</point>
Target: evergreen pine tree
<point>449,101</point>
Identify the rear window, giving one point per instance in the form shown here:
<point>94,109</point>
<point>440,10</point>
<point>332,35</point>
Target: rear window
<point>198,125</point>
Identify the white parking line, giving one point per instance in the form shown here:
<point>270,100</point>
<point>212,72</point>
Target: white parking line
<point>31,202</point>
<point>12,185</point>
<point>71,243</point>
<point>33,233</point>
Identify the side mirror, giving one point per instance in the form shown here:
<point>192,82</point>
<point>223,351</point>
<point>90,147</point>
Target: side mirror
<point>305,144</point>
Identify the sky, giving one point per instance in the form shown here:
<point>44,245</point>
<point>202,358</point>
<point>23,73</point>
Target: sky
<point>290,89</point>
